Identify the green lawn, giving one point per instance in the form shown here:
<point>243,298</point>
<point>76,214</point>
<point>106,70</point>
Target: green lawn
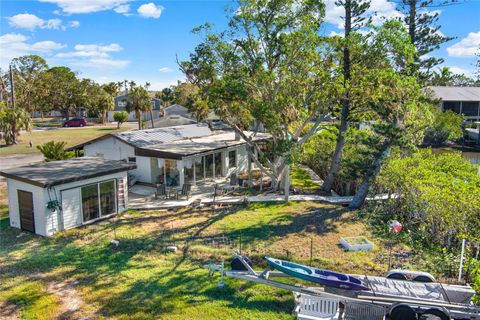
<point>301,180</point>
<point>138,280</point>
<point>72,136</point>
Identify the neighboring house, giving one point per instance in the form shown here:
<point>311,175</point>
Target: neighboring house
<point>172,121</point>
<point>47,197</point>
<point>176,155</point>
<point>176,110</point>
<point>121,105</point>
<point>462,100</point>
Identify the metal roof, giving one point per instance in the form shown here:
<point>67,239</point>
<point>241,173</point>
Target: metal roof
<point>59,172</point>
<point>158,136</point>
<point>217,140</point>
<point>456,93</point>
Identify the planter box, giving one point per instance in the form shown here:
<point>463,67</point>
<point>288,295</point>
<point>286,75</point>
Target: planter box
<point>356,243</point>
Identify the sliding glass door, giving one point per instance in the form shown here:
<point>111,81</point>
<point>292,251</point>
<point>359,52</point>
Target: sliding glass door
<point>90,207</point>
<point>98,200</point>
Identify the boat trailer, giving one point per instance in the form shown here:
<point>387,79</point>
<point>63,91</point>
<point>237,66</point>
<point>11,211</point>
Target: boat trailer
<point>312,301</point>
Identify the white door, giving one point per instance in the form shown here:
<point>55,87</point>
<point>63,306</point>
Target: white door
<point>71,208</point>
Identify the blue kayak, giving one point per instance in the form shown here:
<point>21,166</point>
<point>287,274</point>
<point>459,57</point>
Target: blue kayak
<point>323,277</point>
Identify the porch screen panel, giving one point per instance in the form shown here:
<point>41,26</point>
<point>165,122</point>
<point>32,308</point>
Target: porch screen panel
<point>209,166</point>
<point>172,175</point>
<point>107,198</point>
<point>199,169</point>
<point>218,164</point>
<point>188,171</point>
<point>451,105</point>
<point>90,206</point>
<point>232,159</point>
<point>470,109</point>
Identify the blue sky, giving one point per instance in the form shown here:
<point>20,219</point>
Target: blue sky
<point>113,40</point>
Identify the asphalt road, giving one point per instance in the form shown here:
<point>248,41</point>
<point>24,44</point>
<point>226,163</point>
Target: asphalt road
<point>17,160</point>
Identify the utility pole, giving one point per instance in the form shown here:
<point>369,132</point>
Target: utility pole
<point>12,88</point>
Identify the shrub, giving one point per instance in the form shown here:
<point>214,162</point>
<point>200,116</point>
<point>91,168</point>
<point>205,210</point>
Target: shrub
<point>55,151</point>
<point>447,126</point>
<point>120,117</point>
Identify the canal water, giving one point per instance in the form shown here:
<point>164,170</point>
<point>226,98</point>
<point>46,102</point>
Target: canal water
<point>473,157</point>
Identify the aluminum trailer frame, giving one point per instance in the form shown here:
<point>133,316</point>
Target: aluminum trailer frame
<point>454,311</point>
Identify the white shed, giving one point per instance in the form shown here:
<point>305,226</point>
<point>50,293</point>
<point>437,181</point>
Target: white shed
<point>47,197</point>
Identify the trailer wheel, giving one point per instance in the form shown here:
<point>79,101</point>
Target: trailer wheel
<point>403,312</point>
<point>434,314</point>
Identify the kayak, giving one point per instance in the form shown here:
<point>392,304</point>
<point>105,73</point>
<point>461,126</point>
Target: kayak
<point>323,277</point>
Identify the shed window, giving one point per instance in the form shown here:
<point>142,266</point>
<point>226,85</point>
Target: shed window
<point>132,159</point>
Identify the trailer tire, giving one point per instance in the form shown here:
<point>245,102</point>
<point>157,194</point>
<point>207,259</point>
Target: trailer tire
<point>434,314</point>
<point>403,312</point>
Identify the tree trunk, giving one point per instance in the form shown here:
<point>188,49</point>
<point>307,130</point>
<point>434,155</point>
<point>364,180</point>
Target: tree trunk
<point>362,192</point>
<point>337,155</point>
<point>286,171</point>
<point>151,118</point>
<point>138,115</point>
<point>411,20</point>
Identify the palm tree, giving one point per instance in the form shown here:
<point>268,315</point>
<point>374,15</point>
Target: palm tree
<point>112,89</point>
<point>147,85</point>
<point>138,101</point>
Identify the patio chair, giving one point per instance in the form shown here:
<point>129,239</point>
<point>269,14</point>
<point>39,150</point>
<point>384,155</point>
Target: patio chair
<point>185,192</point>
<point>161,191</point>
<point>321,308</point>
<point>363,310</point>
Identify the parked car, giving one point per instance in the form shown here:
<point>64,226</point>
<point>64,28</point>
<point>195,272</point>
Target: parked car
<point>75,122</point>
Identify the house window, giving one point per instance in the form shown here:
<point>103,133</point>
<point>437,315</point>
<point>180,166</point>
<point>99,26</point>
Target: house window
<point>132,159</point>
<point>232,159</point>
<point>122,103</point>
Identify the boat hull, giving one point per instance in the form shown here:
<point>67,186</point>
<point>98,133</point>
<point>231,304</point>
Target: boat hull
<point>322,277</point>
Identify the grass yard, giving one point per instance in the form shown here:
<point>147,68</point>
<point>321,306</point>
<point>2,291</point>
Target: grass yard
<point>301,180</point>
<point>139,280</point>
<point>72,136</point>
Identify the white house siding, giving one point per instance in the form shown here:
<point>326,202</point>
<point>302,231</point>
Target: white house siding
<point>176,110</point>
<point>48,222</point>
<point>144,170</point>
<point>39,205</point>
<point>109,148</point>
<point>242,158</point>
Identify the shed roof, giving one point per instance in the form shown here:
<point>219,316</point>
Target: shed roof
<point>59,172</point>
<point>456,93</point>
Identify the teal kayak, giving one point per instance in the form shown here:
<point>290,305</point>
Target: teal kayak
<point>323,277</point>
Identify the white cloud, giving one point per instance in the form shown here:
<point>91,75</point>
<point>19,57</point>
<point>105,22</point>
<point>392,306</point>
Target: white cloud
<point>123,9</point>
<point>150,10</point>
<point>13,45</point>
<point>74,24</point>
<point>467,47</point>
<point>94,56</point>
<point>86,6</point>
<point>26,21</point>
<point>165,69</point>
<point>459,70</point>
<point>31,22</point>
<point>380,10</point>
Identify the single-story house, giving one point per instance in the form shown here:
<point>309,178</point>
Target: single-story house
<point>121,105</point>
<point>462,100</point>
<point>47,197</point>
<point>176,110</point>
<point>176,155</point>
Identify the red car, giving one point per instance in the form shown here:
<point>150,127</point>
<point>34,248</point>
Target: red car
<point>75,122</point>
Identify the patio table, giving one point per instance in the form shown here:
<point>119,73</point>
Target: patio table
<point>172,192</point>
